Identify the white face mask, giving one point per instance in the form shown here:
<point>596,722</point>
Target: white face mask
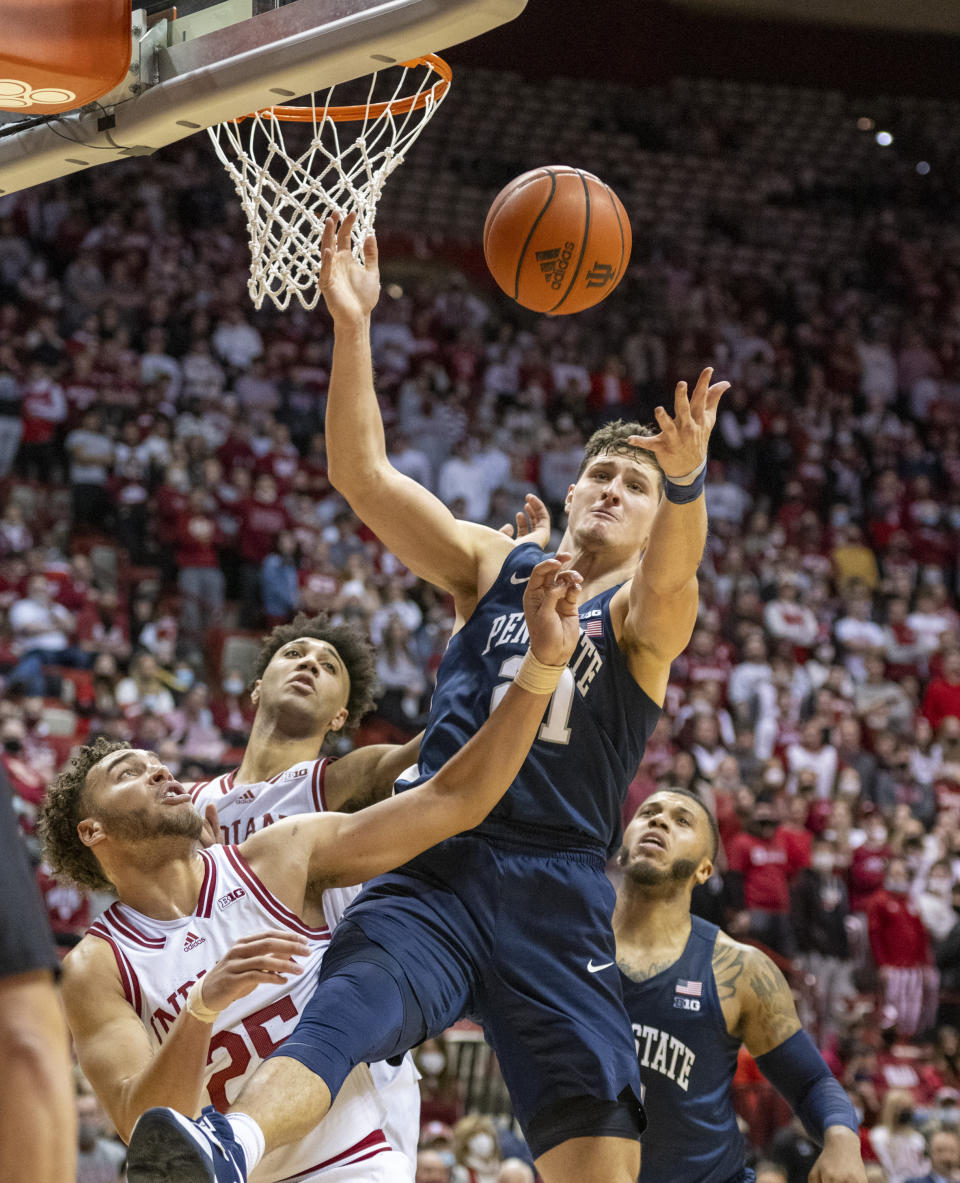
<point>822,862</point>
<point>481,1145</point>
<point>432,1063</point>
<point>940,887</point>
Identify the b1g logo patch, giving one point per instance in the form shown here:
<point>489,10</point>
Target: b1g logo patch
<point>680,1003</point>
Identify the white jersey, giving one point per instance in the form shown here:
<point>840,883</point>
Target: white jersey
<point>244,810</point>
<point>158,962</point>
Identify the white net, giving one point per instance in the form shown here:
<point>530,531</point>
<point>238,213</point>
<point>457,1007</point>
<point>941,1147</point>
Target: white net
<point>293,167</point>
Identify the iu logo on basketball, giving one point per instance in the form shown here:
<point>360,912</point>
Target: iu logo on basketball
<point>599,275</point>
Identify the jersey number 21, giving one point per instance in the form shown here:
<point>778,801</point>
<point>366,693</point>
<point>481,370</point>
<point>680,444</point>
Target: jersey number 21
<point>554,728</point>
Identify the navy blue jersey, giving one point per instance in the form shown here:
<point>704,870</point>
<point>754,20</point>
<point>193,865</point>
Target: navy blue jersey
<point>576,777</point>
<point>687,1062</point>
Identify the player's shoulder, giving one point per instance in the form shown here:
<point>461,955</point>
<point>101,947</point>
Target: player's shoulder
<point>90,963</point>
<point>736,965</point>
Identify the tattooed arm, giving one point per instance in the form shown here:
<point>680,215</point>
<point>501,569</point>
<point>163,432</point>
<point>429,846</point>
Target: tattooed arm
<point>768,1014</point>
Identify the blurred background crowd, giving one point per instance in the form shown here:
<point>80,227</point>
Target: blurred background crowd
<point>164,499</point>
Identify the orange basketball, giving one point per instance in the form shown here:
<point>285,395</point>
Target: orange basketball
<point>557,240</point>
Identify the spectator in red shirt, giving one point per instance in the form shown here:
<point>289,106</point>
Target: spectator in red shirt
<point>200,579</point>
<point>901,949</point>
<point>261,517</point>
<point>868,864</point>
<point>942,698</point>
<point>758,880</point>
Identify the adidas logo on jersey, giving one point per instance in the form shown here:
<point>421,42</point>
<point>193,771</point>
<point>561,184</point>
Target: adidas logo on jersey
<point>192,942</point>
<point>225,901</point>
<point>554,263</point>
<point>246,798</point>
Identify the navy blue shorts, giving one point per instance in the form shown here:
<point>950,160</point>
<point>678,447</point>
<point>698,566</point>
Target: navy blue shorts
<point>518,938</point>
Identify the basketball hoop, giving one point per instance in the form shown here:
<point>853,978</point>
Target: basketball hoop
<point>288,192</point>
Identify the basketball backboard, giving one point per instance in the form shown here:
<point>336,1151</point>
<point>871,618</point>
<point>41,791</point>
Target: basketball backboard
<point>207,61</point>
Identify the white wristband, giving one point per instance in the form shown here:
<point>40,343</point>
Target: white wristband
<point>690,476</point>
<point>536,677</point>
<point>197,1007</point>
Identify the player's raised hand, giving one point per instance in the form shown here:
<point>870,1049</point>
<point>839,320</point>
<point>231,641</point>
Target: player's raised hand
<point>260,957</point>
<point>350,289</point>
<point>681,445</point>
<point>550,610</point>
<point>533,522</point>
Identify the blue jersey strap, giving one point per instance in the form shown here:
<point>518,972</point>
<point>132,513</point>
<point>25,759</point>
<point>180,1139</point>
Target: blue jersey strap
<point>797,1070</point>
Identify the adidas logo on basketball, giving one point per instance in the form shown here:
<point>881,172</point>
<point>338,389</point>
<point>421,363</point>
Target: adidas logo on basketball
<point>192,942</point>
<point>554,263</point>
<point>246,798</point>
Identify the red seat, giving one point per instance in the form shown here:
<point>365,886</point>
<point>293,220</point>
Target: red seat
<point>59,54</point>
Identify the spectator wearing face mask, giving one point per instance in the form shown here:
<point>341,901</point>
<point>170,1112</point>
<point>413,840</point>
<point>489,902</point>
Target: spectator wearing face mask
<point>758,878</point>
<point>440,1099</point>
<point>936,910</point>
<point>898,1145</point>
<point>868,864</point>
<point>818,914</point>
<point>99,1158</point>
<point>432,1168</point>
<point>944,1153</point>
<point>902,952</point>
<point>476,1150</point>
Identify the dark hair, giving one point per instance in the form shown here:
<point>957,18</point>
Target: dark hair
<point>355,651</point>
<point>714,829</point>
<point>611,439</point>
<point>63,810</point>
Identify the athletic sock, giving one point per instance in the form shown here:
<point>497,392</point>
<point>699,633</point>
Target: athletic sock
<point>250,1136</point>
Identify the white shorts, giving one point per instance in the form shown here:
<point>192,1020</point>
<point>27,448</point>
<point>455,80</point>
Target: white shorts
<point>389,1166</point>
<point>399,1092</point>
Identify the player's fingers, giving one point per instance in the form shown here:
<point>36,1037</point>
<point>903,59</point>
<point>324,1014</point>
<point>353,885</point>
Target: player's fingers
<point>667,426</point>
<point>681,404</point>
<point>507,529</point>
<point>343,234</point>
<point>274,965</point>
<point>644,441</point>
<point>274,941</point>
<point>700,391</point>
<point>370,253</point>
<point>714,394</point>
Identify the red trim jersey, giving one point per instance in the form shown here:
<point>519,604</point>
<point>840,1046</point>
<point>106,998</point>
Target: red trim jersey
<point>158,962</point>
<point>246,809</point>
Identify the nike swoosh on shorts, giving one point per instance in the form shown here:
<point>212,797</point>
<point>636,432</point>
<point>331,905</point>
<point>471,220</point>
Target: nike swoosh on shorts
<point>595,969</point>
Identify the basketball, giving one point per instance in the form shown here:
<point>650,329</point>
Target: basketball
<point>557,240</point>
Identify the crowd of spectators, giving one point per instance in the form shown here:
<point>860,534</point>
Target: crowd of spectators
<point>163,484</point>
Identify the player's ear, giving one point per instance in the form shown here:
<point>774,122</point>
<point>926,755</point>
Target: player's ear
<point>569,498</point>
<point>255,692</point>
<point>338,720</point>
<point>90,831</point>
<point>704,871</point>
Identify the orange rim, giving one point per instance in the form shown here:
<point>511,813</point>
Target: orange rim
<point>363,111</point>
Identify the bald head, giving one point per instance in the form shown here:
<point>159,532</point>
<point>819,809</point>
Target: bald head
<point>515,1170</point>
<point>431,1168</point>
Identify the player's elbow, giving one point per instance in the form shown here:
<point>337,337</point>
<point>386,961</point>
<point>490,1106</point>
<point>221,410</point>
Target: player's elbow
<point>358,476</point>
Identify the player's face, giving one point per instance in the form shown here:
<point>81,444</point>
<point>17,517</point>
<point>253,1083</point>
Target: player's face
<point>133,796</point>
<point>306,681</point>
<point>613,503</point>
<point>667,841</point>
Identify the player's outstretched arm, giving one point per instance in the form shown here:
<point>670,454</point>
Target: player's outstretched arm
<point>662,606</point>
<point>334,849</point>
<point>112,1044</point>
<point>789,1059</point>
<point>406,517</point>
<point>367,775</point>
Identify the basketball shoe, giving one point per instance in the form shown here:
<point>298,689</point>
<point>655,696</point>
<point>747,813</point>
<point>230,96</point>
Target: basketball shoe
<point>166,1147</point>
